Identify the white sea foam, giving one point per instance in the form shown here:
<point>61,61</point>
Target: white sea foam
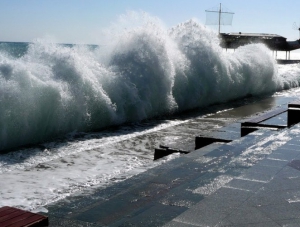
<point>33,177</point>
<point>143,72</point>
<point>147,71</point>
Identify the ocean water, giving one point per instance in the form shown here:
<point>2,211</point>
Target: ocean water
<point>67,111</point>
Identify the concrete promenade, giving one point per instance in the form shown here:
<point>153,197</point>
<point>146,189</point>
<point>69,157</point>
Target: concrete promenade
<point>252,181</point>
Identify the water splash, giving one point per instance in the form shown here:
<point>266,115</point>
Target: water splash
<point>143,72</point>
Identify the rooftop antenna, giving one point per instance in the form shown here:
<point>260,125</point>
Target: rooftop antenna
<point>296,27</point>
<point>218,17</point>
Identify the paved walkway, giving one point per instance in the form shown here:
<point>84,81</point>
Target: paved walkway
<point>252,181</point>
<point>267,194</point>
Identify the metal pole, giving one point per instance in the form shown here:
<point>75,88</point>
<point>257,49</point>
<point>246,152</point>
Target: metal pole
<point>220,18</point>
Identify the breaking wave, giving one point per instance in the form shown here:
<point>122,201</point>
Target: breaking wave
<point>146,71</point>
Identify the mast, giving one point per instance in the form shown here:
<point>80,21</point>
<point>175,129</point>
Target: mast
<point>220,11</point>
<point>297,27</point>
<point>218,16</point>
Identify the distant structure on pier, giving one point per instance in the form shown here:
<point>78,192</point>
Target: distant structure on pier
<point>273,41</point>
<point>234,40</point>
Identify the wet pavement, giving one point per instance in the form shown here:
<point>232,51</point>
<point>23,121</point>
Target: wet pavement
<point>251,181</point>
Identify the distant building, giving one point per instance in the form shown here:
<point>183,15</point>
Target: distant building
<point>272,41</point>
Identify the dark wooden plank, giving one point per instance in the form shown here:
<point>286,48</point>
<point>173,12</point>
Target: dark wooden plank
<point>4,208</point>
<point>5,212</point>
<point>13,217</point>
<point>20,218</point>
<point>34,221</point>
<point>10,215</point>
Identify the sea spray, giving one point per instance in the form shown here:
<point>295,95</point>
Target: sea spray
<point>289,76</point>
<point>50,91</point>
<point>145,61</point>
<point>214,75</point>
<point>145,71</point>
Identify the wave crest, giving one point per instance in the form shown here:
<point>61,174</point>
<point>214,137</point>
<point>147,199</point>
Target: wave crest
<point>144,72</point>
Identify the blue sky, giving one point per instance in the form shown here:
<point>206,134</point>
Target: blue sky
<point>81,21</point>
